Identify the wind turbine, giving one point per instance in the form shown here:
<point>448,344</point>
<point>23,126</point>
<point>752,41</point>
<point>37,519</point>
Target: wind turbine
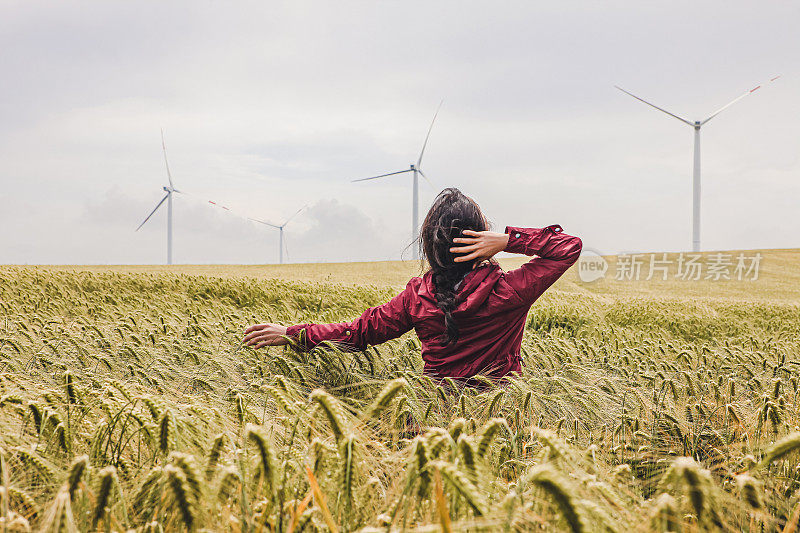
<point>280,229</point>
<point>168,198</point>
<point>416,169</point>
<point>697,124</point>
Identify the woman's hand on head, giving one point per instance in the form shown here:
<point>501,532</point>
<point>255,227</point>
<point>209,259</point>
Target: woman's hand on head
<point>478,245</point>
<point>260,335</point>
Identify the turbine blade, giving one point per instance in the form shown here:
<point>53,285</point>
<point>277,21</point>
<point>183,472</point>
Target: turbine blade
<point>164,148</point>
<point>382,175</point>
<point>154,210</point>
<point>655,106</point>
<point>218,205</point>
<point>426,179</point>
<point>297,213</point>
<point>726,106</point>
<point>419,161</point>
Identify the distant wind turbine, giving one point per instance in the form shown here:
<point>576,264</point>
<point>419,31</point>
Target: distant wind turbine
<point>415,169</point>
<point>280,229</point>
<point>697,124</point>
<point>168,198</point>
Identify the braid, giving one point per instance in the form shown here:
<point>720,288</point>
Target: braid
<point>444,282</point>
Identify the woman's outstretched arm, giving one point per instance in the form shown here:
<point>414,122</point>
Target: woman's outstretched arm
<point>376,325</point>
<point>260,335</point>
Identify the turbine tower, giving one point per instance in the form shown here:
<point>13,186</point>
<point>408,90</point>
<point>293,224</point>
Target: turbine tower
<point>280,229</point>
<point>168,197</point>
<point>416,169</point>
<point>697,124</point>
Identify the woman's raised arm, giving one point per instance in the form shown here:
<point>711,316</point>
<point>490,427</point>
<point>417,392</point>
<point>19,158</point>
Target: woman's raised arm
<point>555,252</point>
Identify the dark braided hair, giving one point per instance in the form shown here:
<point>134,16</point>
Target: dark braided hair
<point>451,213</point>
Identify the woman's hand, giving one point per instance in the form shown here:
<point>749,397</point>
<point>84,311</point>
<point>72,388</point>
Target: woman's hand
<point>480,245</point>
<point>261,335</point>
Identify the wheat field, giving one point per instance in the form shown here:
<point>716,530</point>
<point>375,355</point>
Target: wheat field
<point>128,402</point>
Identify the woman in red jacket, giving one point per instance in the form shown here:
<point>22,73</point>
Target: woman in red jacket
<point>468,313</point>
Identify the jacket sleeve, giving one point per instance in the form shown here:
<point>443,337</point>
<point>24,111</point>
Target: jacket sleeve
<point>555,252</point>
<point>376,325</point>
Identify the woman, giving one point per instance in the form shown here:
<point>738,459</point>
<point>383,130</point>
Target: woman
<point>468,313</point>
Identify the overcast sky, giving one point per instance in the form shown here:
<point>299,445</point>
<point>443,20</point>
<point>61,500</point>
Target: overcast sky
<point>269,106</point>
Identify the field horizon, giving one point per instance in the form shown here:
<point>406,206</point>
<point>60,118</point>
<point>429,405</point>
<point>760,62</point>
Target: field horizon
<point>779,275</point>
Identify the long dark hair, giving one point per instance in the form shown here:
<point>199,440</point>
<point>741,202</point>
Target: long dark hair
<point>451,213</point>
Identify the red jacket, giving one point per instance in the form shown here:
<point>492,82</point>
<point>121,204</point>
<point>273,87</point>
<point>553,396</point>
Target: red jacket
<point>490,316</point>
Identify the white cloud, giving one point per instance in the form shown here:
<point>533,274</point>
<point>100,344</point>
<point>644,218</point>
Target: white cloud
<point>342,232</point>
